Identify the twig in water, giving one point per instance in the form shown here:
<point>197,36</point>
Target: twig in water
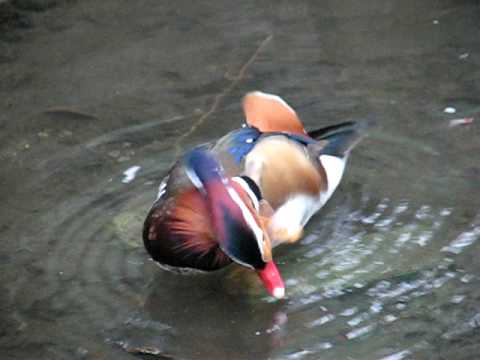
<point>219,97</point>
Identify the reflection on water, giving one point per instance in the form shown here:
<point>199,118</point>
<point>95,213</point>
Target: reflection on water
<point>388,269</point>
<point>224,322</point>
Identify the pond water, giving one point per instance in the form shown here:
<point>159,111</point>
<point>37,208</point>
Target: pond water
<point>89,89</point>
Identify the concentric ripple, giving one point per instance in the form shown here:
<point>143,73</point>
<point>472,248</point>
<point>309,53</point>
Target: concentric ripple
<point>377,270</point>
<point>372,271</point>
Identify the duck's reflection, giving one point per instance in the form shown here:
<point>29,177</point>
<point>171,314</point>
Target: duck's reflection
<point>209,316</point>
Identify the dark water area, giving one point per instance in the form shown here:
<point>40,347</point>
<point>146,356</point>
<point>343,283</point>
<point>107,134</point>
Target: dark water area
<point>389,269</point>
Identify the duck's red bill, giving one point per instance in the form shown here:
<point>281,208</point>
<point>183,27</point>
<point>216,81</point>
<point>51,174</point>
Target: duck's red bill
<point>272,280</point>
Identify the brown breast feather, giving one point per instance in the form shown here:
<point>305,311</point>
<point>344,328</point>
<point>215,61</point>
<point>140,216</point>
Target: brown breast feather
<point>286,169</point>
<point>179,233</point>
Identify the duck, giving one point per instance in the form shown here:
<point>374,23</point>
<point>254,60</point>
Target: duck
<point>297,171</point>
<point>235,199</point>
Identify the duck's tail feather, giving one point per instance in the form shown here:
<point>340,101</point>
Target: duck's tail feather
<point>339,140</point>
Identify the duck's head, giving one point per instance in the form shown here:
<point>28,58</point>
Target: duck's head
<point>234,206</point>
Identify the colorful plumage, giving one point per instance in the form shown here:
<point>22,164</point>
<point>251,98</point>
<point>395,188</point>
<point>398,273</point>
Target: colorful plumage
<point>297,171</point>
<point>253,189</point>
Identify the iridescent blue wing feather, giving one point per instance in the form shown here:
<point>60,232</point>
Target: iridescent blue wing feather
<point>241,141</point>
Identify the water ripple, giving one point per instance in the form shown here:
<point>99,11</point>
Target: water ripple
<point>366,266</point>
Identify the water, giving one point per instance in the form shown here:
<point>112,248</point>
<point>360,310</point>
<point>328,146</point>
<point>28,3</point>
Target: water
<point>97,99</point>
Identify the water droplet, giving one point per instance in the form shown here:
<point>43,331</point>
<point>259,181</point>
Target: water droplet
<point>467,278</point>
<point>322,320</point>
<point>376,307</point>
<point>397,356</point>
<point>358,319</point>
<point>114,153</point>
<point>349,312</point>
<point>359,332</point>
<point>130,174</point>
<point>464,240</point>
<point>291,282</point>
<point>323,346</point>
<point>457,299</point>
<point>390,318</point>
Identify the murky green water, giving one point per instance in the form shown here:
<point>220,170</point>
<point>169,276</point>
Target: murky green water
<point>388,270</point>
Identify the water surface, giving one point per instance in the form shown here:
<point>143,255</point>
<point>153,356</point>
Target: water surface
<point>88,90</point>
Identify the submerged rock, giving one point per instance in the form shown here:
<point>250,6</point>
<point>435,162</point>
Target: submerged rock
<point>127,226</point>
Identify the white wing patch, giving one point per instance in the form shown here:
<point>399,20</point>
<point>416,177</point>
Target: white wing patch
<point>334,167</point>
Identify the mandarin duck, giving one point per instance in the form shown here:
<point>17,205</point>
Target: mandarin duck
<point>255,188</point>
